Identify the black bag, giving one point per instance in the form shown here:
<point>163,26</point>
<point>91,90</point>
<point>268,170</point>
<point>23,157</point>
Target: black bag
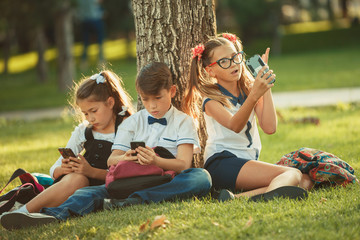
<point>23,193</point>
<point>122,188</point>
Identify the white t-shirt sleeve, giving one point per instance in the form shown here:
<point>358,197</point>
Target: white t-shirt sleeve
<point>187,133</point>
<point>125,134</point>
<point>76,143</point>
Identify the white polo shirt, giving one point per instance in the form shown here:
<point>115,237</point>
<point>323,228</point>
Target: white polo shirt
<point>180,129</point>
<point>245,144</point>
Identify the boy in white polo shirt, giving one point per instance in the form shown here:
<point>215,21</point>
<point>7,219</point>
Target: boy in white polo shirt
<point>159,124</point>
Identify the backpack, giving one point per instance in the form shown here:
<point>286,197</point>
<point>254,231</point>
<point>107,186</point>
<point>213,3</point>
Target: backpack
<point>324,168</point>
<point>128,177</point>
<point>23,193</point>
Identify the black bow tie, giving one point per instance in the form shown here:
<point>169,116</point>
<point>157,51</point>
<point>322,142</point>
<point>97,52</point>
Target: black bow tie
<point>152,120</point>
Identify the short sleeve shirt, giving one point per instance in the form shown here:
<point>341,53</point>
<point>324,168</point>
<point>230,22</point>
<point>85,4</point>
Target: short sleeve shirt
<point>180,129</point>
<point>245,144</point>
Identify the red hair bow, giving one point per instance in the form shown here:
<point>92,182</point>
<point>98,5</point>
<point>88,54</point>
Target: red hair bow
<point>230,37</point>
<point>197,51</point>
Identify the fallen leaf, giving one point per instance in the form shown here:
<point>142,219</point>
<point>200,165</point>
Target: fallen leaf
<point>144,226</point>
<point>158,221</point>
<point>216,224</point>
<point>323,200</point>
<point>249,222</point>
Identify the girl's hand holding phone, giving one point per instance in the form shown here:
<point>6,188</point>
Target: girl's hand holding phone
<point>80,165</point>
<point>66,166</point>
<point>262,83</point>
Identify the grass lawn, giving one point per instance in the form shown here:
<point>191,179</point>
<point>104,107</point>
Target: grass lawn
<point>22,91</point>
<point>332,213</point>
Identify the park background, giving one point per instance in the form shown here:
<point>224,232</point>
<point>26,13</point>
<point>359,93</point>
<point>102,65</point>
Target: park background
<point>315,45</point>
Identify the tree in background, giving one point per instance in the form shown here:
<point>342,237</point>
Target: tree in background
<point>166,32</point>
<point>64,41</point>
<point>24,23</point>
<point>252,20</point>
<point>120,21</point>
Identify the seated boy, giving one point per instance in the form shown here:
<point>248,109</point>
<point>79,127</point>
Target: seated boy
<point>159,124</point>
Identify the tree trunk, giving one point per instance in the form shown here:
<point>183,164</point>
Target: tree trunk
<point>41,48</point>
<point>64,42</point>
<point>6,49</point>
<point>166,31</point>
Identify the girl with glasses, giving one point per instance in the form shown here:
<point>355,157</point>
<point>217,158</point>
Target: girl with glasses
<point>231,98</point>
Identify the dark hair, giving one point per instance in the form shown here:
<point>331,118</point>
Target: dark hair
<point>88,88</point>
<point>154,77</point>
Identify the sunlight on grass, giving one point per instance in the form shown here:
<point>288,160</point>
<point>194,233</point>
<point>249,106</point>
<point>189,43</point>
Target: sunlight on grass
<point>319,26</point>
<point>115,49</point>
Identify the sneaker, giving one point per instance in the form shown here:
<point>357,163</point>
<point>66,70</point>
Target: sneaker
<point>225,195</point>
<point>17,220</point>
<point>290,192</point>
<point>119,203</point>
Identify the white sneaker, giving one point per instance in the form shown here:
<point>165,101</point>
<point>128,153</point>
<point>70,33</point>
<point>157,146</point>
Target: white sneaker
<point>17,220</point>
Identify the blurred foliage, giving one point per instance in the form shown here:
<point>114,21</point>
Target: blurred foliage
<point>253,19</point>
<point>118,18</point>
<point>20,18</point>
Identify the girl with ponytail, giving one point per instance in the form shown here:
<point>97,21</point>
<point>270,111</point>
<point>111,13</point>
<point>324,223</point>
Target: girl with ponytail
<point>221,86</point>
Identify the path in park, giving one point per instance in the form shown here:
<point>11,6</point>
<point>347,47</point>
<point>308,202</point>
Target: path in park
<point>308,98</point>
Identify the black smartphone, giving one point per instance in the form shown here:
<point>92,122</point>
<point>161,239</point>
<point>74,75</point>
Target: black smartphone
<point>135,145</point>
<point>66,152</point>
<point>254,64</point>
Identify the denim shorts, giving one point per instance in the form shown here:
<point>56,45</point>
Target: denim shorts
<point>224,168</point>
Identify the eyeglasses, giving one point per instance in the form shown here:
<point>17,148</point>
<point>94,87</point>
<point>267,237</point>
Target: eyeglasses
<point>225,63</point>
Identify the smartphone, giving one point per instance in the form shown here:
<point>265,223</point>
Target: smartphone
<point>254,64</point>
<point>66,152</point>
<point>134,145</point>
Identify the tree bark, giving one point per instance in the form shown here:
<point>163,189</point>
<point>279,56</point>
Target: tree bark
<point>166,31</point>
<point>64,42</point>
<point>41,48</point>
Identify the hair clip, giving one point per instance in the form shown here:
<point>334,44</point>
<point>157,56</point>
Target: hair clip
<point>98,77</point>
<point>124,109</point>
<point>229,36</point>
<point>197,51</point>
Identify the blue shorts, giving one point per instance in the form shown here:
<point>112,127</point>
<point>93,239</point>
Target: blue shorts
<point>224,168</point>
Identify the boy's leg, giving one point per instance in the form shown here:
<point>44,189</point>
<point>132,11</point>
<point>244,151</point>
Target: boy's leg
<point>190,182</point>
<point>82,202</point>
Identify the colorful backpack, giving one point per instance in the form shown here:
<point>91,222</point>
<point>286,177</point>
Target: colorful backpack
<point>323,168</point>
<point>28,189</point>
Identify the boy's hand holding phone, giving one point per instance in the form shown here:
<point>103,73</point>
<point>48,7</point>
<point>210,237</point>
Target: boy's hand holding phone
<point>146,156</point>
<point>130,155</point>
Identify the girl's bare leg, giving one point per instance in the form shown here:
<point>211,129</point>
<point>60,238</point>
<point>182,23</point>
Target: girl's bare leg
<point>56,194</point>
<point>306,182</point>
<point>257,177</point>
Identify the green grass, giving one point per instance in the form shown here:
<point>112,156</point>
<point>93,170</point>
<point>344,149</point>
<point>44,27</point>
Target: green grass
<point>333,68</point>
<point>331,213</point>
<point>22,91</point>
